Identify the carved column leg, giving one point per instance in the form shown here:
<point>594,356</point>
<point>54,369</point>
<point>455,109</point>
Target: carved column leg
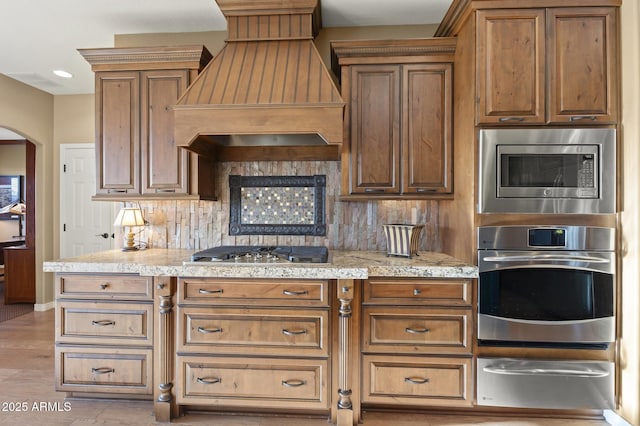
<point>345,405</point>
<point>164,352</point>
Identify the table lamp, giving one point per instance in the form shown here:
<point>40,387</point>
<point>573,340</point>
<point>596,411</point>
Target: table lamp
<point>129,216</point>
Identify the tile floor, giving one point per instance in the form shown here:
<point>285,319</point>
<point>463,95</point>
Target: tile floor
<point>26,381</point>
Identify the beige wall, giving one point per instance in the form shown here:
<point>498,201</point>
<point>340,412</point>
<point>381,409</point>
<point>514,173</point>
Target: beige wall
<point>630,218</point>
<point>73,122</point>
<point>29,112</point>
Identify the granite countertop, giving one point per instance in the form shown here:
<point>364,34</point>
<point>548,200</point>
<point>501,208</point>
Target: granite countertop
<point>342,264</point>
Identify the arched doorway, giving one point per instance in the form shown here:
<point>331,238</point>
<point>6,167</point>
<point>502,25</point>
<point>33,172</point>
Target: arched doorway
<point>19,260</point>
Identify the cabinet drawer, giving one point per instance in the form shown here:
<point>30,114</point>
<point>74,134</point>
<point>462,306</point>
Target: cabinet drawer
<point>417,381</point>
<point>104,323</point>
<point>71,286</point>
<point>104,370</point>
<point>258,292</point>
<point>253,382</point>
<point>417,330</point>
<point>264,331</point>
<point>411,291</point>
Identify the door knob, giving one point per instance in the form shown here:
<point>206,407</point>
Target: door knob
<point>104,235</point>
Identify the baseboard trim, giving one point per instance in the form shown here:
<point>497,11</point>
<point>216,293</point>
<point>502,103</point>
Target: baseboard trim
<point>41,307</point>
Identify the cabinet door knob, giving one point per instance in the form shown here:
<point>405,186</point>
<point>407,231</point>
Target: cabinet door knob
<point>104,286</point>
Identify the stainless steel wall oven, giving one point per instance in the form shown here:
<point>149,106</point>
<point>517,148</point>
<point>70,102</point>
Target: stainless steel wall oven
<point>553,287</point>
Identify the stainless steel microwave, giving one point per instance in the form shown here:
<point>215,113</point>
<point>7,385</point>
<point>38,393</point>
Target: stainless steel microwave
<point>558,170</point>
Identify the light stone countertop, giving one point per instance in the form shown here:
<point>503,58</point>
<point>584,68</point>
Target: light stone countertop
<point>342,264</point>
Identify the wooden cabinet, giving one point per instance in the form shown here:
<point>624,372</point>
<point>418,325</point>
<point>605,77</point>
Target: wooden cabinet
<point>547,66</point>
<point>104,334</point>
<point>19,275</point>
<point>398,117</point>
<point>253,343</point>
<point>417,339</point>
<point>136,154</point>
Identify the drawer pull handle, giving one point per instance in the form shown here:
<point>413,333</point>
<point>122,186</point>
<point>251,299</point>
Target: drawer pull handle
<point>416,330</point>
<point>205,291</point>
<point>103,323</point>
<point>416,380</point>
<point>293,383</point>
<point>104,286</point>
<point>209,380</point>
<point>103,370</point>
<point>295,293</point>
<point>507,119</point>
<point>417,292</point>
<point>209,330</point>
<point>583,117</point>
<point>293,332</point>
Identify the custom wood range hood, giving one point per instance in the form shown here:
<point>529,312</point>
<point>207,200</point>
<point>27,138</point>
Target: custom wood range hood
<point>267,93</point>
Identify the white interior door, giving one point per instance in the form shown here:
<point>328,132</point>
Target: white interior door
<point>86,225</point>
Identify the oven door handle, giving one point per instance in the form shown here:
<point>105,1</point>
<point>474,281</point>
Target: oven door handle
<point>545,258</point>
<point>546,372</point>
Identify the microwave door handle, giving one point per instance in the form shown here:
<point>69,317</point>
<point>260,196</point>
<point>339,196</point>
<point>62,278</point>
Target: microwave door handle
<point>546,372</point>
<point>545,257</point>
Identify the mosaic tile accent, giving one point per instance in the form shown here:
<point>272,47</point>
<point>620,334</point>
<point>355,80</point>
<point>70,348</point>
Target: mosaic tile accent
<point>277,206</point>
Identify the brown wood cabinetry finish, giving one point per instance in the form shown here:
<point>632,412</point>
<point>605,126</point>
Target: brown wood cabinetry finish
<point>398,124</point>
<point>417,342</point>
<point>583,76</point>
<point>427,125</point>
<point>254,343</point>
<point>291,384</point>
<point>136,153</point>
<point>375,129</point>
<point>104,347</point>
<point>19,275</point>
<point>547,66</point>
<point>165,165</point>
<point>511,66</point>
<point>118,132</point>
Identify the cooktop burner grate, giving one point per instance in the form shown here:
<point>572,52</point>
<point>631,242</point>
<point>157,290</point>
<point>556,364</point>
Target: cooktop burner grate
<point>263,254</point>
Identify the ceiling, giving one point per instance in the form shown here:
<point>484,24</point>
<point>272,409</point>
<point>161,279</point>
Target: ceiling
<point>39,36</point>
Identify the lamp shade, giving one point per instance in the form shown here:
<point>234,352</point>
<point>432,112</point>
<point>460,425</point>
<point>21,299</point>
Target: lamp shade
<point>129,216</point>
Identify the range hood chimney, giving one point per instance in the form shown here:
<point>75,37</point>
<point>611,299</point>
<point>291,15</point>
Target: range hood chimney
<point>267,87</point>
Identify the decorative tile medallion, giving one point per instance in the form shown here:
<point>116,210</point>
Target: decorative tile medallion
<point>277,205</point>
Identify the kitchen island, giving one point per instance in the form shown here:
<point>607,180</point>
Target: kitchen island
<point>320,339</point>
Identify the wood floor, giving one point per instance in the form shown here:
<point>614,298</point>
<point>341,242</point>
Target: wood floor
<point>26,383</point>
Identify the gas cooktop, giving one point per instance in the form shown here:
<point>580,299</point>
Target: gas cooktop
<point>263,254</point>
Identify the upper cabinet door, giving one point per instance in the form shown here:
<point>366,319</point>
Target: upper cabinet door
<point>118,132</point>
<point>510,66</point>
<point>164,165</point>
<point>375,129</point>
<point>426,128</point>
<point>582,53</point>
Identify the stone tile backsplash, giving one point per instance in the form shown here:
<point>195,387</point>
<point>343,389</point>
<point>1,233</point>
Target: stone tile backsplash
<point>350,225</point>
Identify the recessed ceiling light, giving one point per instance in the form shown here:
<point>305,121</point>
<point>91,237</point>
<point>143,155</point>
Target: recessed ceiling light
<point>62,73</point>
